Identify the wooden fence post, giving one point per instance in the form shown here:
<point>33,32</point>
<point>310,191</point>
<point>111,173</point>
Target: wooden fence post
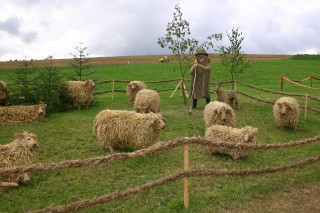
<point>112,89</point>
<point>281,82</point>
<point>186,180</point>
<point>306,107</point>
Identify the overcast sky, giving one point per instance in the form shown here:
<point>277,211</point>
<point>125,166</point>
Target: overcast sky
<point>36,29</point>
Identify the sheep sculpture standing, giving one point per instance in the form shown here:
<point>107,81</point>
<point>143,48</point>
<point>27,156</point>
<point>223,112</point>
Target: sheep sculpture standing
<point>28,113</point>
<point>3,92</point>
<point>20,152</point>
<point>146,101</point>
<point>119,128</point>
<point>225,134</point>
<point>77,93</point>
<point>286,111</point>
<point>227,96</point>
<point>133,88</point>
<point>219,113</point>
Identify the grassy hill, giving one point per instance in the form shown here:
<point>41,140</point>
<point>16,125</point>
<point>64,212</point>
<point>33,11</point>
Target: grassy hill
<point>68,135</point>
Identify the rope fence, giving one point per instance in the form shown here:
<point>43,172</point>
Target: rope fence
<point>192,173</point>
<point>164,145</point>
<point>74,206</point>
<point>282,78</point>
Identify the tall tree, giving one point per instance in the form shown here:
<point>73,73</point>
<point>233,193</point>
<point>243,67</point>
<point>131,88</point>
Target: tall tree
<point>232,57</point>
<point>182,46</point>
<point>81,63</point>
<point>47,82</point>
<point>24,76</point>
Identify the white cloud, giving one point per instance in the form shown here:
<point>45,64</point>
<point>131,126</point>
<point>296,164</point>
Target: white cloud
<point>36,29</point>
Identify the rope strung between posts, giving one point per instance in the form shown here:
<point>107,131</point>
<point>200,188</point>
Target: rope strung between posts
<point>147,151</point>
<point>192,173</point>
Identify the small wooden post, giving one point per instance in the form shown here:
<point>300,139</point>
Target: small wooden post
<point>281,82</point>
<point>311,80</point>
<point>235,85</point>
<point>112,89</point>
<point>176,88</point>
<point>186,179</point>
<point>306,107</point>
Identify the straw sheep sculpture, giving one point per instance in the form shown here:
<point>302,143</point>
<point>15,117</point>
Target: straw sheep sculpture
<point>3,92</point>
<point>77,93</point>
<point>28,113</point>
<point>227,96</point>
<point>219,113</point>
<point>132,88</point>
<point>20,152</point>
<point>286,111</point>
<point>146,101</point>
<point>225,134</point>
<point>119,128</point>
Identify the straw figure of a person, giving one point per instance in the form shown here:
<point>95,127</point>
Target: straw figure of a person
<point>200,72</point>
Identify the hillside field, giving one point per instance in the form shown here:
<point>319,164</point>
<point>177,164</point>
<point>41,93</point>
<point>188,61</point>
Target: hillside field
<point>68,136</point>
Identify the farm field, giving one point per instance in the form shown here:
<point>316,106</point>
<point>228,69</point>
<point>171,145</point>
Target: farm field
<point>68,135</point>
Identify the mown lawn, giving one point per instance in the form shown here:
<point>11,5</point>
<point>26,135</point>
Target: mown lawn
<point>68,135</point>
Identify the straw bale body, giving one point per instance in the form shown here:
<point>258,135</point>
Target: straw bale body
<point>3,92</point>
<point>219,113</point>
<point>227,96</point>
<point>20,152</point>
<point>28,113</point>
<point>119,128</point>
<point>77,93</point>
<point>132,88</point>
<point>286,112</point>
<point>147,101</point>
<point>225,134</point>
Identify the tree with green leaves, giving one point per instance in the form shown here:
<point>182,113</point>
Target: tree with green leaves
<point>47,83</point>
<point>178,40</point>
<point>81,63</point>
<point>232,57</point>
<point>23,77</point>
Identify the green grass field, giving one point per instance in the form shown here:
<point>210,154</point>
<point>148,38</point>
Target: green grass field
<point>68,135</point>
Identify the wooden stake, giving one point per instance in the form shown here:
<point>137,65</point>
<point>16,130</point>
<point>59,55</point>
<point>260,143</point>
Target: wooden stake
<point>306,107</point>
<point>112,89</point>
<point>176,88</point>
<point>186,179</point>
<point>281,82</point>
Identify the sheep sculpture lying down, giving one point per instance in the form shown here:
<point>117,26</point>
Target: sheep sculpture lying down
<point>224,134</point>
<point>120,128</point>
<point>29,113</point>
<point>20,152</point>
<point>286,112</point>
<point>146,101</point>
<point>219,113</point>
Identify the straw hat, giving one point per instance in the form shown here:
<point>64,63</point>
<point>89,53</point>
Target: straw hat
<point>201,50</point>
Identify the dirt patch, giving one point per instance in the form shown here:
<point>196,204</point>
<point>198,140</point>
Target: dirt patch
<point>295,200</point>
<point>148,59</point>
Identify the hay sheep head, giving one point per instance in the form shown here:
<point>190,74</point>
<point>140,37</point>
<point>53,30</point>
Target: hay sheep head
<point>26,140</point>
<point>249,134</point>
<point>41,111</point>
<point>157,123</point>
<point>284,108</point>
<point>89,84</point>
